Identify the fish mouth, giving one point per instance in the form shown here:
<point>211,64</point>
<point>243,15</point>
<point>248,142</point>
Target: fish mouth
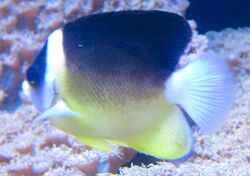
<point>42,97</point>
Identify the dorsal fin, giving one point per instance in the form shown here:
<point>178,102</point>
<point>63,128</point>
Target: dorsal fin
<point>154,37</point>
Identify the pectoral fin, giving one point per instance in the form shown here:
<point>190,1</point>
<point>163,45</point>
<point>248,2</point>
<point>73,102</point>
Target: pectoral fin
<point>60,109</point>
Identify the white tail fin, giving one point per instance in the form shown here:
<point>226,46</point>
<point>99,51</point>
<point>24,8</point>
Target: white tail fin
<point>205,89</point>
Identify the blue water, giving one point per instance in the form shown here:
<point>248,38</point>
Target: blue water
<point>219,14</point>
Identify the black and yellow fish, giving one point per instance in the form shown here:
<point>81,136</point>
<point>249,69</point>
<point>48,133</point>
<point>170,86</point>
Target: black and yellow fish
<point>112,78</point>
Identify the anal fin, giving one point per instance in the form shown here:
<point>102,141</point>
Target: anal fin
<point>171,140</point>
<point>99,144</point>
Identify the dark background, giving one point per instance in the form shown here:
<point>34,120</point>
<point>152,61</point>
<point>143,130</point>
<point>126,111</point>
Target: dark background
<point>219,14</point>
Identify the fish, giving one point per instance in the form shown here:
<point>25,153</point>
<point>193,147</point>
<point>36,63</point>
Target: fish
<point>113,78</point>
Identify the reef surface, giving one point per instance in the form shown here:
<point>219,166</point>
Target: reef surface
<point>44,150</point>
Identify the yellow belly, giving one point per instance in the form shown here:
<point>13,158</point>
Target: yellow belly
<point>114,112</point>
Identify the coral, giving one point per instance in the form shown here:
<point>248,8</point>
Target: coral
<point>25,25</point>
<point>44,150</point>
<point>176,6</point>
<point>197,46</point>
<point>226,152</point>
<point>27,150</point>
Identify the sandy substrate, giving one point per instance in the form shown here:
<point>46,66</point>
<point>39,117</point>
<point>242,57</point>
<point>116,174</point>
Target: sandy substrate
<point>44,150</point>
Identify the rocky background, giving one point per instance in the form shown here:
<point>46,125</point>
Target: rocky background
<point>24,27</point>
